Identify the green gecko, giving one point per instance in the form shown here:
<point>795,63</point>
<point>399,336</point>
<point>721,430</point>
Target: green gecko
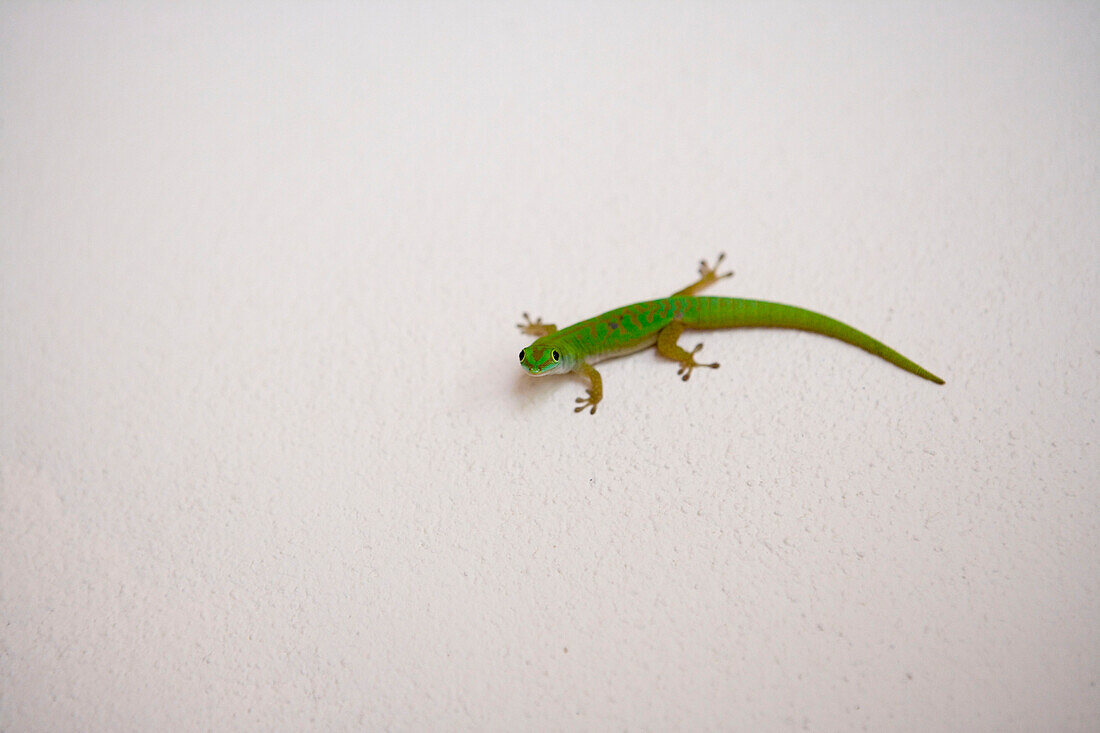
<point>641,325</point>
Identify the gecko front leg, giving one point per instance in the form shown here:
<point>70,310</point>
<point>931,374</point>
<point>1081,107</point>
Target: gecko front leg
<point>537,328</point>
<point>595,392</point>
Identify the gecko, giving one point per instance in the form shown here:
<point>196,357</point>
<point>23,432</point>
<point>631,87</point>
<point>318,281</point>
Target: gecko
<point>660,322</point>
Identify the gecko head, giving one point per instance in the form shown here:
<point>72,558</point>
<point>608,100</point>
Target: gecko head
<point>541,361</point>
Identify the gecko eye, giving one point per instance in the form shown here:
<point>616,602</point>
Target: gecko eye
<point>555,355</point>
<point>522,353</point>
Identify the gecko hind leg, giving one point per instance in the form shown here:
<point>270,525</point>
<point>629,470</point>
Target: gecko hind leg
<point>536,328</point>
<point>668,348</point>
<point>707,276</point>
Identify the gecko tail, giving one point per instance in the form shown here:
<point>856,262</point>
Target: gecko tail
<point>740,313</point>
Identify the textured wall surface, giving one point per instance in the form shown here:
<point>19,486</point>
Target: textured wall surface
<point>267,460</point>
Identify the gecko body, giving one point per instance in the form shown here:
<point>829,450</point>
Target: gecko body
<point>660,322</point>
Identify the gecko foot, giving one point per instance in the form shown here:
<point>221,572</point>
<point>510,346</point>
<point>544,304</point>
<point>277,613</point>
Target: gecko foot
<point>536,327</point>
<point>710,274</point>
<point>586,402</point>
<point>685,368</point>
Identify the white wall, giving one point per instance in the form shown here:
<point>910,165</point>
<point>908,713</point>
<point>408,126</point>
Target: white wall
<point>268,461</point>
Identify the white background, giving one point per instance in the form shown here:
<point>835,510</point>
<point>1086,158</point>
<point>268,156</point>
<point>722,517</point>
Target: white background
<point>268,460</point>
